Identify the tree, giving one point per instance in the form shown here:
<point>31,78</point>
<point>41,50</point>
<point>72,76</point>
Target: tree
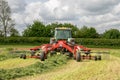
<point>1,33</point>
<point>111,34</point>
<point>37,29</point>
<point>93,33</point>
<point>5,20</point>
<point>14,32</point>
<point>86,32</point>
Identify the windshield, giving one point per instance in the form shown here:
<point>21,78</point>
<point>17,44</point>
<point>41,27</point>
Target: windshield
<point>62,34</point>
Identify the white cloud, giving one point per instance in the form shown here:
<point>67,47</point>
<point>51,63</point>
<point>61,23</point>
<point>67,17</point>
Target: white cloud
<point>19,19</point>
<point>101,14</point>
<point>32,12</point>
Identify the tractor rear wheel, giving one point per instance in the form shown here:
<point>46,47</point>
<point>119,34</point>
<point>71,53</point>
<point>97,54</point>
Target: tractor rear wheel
<point>78,56</point>
<point>42,56</point>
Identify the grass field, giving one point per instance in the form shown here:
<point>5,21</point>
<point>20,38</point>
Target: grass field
<point>88,70</point>
<point>107,69</point>
<point>16,63</point>
<point>16,46</point>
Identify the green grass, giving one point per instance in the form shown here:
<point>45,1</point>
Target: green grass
<point>18,46</point>
<point>53,69</point>
<point>107,69</point>
<point>115,52</point>
<point>98,46</point>
<point>16,63</point>
<point>7,55</point>
<point>37,68</point>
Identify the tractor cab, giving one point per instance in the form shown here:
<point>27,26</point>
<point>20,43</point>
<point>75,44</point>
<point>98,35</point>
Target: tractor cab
<point>62,33</point>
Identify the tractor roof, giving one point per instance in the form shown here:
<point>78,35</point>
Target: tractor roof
<point>65,28</point>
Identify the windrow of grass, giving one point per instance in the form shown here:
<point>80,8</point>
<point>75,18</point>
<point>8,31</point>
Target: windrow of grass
<point>4,55</point>
<point>37,68</point>
<point>16,63</point>
<point>10,53</point>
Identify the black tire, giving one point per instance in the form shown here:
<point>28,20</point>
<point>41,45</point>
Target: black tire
<point>78,56</point>
<point>95,58</point>
<point>74,57</point>
<point>42,56</point>
<point>69,54</point>
<point>83,57</point>
<point>99,57</point>
<point>38,54</point>
<point>24,56</point>
<point>21,56</point>
<point>32,53</point>
<point>90,57</point>
<point>52,53</point>
<point>46,57</point>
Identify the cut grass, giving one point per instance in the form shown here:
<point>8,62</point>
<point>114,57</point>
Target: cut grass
<point>37,68</point>
<point>16,46</point>
<point>89,70</point>
<point>72,71</point>
<point>115,52</point>
<point>16,63</point>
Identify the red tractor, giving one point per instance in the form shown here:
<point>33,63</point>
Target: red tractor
<point>64,44</point>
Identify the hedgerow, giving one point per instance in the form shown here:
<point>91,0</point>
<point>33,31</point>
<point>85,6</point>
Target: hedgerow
<point>99,42</point>
<point>43,40</point>
<point>22,40</point>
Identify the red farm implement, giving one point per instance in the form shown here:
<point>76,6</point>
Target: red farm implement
<point>62,43</point>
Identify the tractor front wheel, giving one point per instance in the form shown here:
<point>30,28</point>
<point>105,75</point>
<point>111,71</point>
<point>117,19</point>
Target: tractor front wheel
<point>42,56</point>
<point>78,56</point>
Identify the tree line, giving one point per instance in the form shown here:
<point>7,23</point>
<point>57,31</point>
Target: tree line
<point>38,29</point>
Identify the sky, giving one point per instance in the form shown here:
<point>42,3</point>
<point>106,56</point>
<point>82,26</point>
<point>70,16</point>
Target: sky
<point>100,14</point>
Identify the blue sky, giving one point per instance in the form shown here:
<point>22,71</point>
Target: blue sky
<point>100,14</point>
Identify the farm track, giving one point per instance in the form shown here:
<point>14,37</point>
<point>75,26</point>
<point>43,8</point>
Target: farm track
<point>87,70</point>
